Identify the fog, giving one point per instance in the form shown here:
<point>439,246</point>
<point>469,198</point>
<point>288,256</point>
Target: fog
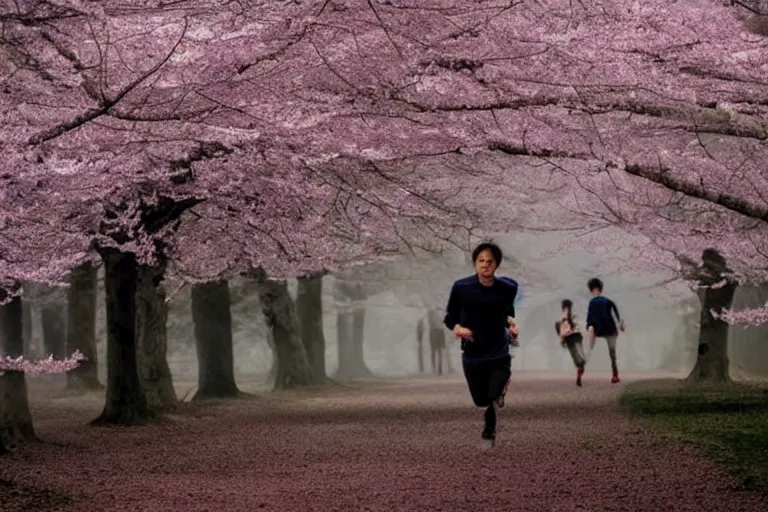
<point>546,276</point>
<point>399,294</point>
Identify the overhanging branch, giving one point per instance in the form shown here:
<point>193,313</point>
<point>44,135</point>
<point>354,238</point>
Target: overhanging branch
<point>663,177</point>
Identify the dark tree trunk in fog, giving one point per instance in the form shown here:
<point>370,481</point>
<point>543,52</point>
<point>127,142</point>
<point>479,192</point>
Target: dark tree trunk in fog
<point>126,403</point>
<point>420,344</point>
<point>293,368</point>
<point>81,326</point>
<point>213,338</point>
<point>712,358</point>
<point>15,418</point>
<point>54,314</point>
<point>350,327</point>
<point>309,306</point>
<point>26,322</point>
<point>152,339</point>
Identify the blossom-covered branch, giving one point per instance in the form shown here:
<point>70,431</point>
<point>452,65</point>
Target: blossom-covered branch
<point>48,365</point>
<point>322,134</point>
<point>749,316</point>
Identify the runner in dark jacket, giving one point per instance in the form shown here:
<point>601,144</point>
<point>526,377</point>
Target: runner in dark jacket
<point>600,322</point>
<point>481,313</point>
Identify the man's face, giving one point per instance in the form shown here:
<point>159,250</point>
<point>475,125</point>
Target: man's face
<point>485,265</point>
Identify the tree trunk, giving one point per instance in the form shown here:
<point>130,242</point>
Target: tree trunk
<point>81,326</point>
<point>152,340</point>
<point>309,306</point>
<point>350,326</point>
<point>293,368</point>
<point>15,418</point>
<point>54,317</point>
<point>420,344</point>
<point>213,338</point>
<point>712,358</point>
<point>350,331</point>
<point>126,403</point>
<point>26,319</point>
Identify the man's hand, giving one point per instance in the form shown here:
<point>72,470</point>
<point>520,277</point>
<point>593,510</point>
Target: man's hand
<point>512,328</point>
<point>621,326</point>
<point>462,333</point>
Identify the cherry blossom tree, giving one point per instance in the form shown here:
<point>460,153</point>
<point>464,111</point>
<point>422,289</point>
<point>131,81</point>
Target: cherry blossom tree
<point>309,309</point>
<point>350,297</point>
<point>209,139</point>
<point>716,293</point>
<point>213,339</point>
<point>481,102</point>
<point>293,367</point>
<point>15,417</point>
<point>81,325</point>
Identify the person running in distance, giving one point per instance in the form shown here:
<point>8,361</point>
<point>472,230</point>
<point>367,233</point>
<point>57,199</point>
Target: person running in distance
<point>600,322</point>
<point>438,346</point>
<point>570,337</point>
<point>481,313</point>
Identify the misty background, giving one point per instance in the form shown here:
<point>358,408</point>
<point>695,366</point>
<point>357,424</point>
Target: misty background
<point>661,318</point>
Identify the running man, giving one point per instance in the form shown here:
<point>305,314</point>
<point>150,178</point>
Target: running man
<point>600,323</point>
<point>568,330</point>
<point>481,313</point>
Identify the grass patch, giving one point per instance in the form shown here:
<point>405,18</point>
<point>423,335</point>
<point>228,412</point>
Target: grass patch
<point>17,498</point>
<point>729,422</point>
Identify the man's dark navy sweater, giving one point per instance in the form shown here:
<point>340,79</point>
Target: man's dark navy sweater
<point>599,315</point>
<point>484,311</point>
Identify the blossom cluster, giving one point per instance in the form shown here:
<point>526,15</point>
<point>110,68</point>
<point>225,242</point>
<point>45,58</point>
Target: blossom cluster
<point>746,317</point>
<point>41,366</point>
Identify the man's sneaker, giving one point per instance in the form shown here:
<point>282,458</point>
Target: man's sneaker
<point>500,400</point>
<point>615,379</point>
<point>488,434</point>
<point>579,373</point>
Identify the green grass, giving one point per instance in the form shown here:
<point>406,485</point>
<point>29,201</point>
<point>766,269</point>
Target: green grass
<point>728,422</point>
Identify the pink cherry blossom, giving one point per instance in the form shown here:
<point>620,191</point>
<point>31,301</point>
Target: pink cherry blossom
<point>315,135</point>
<point>47,365</point>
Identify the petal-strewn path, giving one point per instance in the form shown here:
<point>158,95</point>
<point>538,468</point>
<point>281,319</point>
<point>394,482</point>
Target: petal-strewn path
<point>404,445</point>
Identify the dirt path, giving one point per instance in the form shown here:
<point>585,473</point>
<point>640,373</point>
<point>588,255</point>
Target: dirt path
<point>405,445</point>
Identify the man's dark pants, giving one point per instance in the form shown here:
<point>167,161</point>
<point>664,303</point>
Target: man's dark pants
<point>486,380</point>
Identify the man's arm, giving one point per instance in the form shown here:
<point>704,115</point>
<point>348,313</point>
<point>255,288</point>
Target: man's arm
<point>575,323</point>
<point>453,310</point>
<point>512,329</point>
<point>510,305</point>
<point>612,306</point>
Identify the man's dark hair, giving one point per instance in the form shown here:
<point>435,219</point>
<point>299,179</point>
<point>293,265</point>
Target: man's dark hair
<point>495,251</point>
<point>567,303</point>
<point>595,284</point>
